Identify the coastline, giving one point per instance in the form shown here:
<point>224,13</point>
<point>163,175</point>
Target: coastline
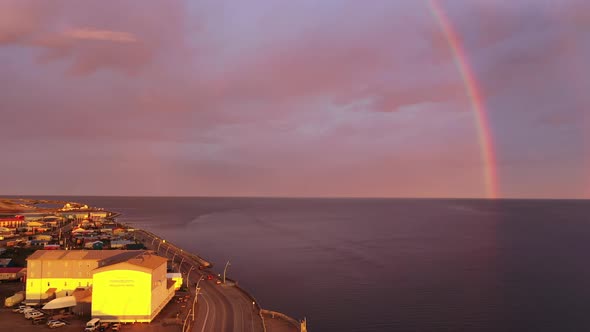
<point>231,300</point>
<point>169,249</point>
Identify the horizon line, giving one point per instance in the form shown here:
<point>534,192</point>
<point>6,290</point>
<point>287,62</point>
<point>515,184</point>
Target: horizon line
<point>292,197</point>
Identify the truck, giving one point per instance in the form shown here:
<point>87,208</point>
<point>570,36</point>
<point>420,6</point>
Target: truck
<point>15,299</point>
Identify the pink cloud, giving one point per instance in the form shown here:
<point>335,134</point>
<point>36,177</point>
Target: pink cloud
<point>92,36</point>
<point>268,97</point>
<point>105,35</point>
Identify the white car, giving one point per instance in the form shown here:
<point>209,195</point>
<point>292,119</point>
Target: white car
<point>33,314</point>
<point>28,309</point>
<point>56,324</point>
<point>22,309</point>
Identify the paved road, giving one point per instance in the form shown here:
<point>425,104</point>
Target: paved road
<point>219,307</point>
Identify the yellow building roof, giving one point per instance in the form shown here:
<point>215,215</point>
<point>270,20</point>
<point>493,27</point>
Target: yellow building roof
<point>95,255</point>
<point>148,259</point>
<point>141,258</point>
<point>145,261</point>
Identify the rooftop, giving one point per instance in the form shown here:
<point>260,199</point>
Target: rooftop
<point>10,269</point>
<point>143,258</point>
<point>148,259</point>
<point>95,255</point>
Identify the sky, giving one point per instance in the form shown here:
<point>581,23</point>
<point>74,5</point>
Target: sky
<point>330,98</point>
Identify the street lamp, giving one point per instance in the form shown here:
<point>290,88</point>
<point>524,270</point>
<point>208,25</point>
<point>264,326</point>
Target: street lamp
<point>224,270</point>
<point>168,247</point>
<point>197,289</point>
<point>181,261</point>
<point>173,256</point>
<point>159,244</point>
<point>188,275</point>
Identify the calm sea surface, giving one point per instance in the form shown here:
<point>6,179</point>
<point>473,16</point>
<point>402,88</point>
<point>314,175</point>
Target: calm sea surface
<point>391,264</point>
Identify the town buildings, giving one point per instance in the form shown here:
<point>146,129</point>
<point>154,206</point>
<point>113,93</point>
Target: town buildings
<point>13,222</point>
<point>122,285</point>
<point>12,273</point>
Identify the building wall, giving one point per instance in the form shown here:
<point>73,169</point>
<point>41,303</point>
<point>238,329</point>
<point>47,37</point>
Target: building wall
<point>11,223</point>
<point>161,294</point>
<point>61,268</point>
<point>122,295</point>
<point>36,287</point>
<point>177,278</point>
<point>64,275</point>
<point>8,276</point>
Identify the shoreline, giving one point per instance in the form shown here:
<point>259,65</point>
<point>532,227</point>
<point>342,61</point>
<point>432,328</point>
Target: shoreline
<point>274,321</point>
<point>261,311</point>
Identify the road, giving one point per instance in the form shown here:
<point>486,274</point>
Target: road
<point>221,307</point>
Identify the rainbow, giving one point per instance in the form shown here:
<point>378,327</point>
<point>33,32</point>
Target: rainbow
<point>487,150</point>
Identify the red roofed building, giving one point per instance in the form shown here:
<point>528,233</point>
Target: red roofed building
<point>14,222</point>
<point>11,273</point>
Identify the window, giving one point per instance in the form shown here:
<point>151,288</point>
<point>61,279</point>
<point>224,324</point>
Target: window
<point>65,284</point>
<point>48,284</point>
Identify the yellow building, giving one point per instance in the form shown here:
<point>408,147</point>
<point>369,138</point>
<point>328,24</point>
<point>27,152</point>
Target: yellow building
<point>126,285</point>
<point>135,290</point>
<point>177,278</point>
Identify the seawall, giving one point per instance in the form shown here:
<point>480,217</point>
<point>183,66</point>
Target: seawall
<point>290,324</point>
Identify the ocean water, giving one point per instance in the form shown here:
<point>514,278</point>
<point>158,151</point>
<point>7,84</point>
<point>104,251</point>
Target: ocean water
<point>390,264</point>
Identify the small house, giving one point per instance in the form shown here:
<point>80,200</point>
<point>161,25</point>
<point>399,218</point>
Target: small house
<point>11,273</point>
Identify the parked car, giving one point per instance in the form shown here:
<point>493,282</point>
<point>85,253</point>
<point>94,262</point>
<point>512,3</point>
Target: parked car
<point>56,324</point>
<point>33,314</point>
<point>103,327</point>
<point>209,277</point>
<point>116,327</point>
<point>21,309</point>
<point>29,309</point>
